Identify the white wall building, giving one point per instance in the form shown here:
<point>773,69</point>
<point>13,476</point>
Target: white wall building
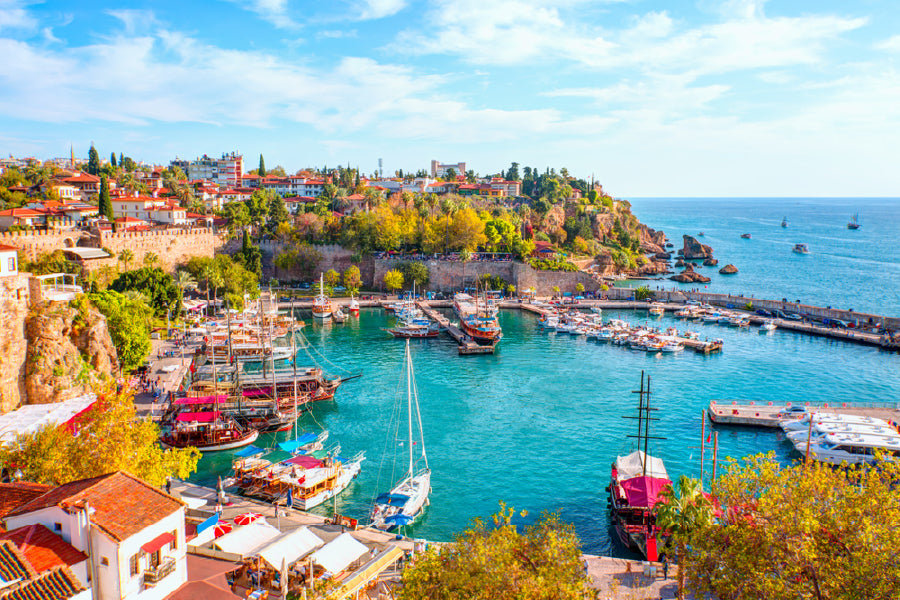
<point>9,261</point>
<point>226,171</point>
<point>440,169</point>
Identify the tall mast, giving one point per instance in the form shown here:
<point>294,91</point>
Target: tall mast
<point>271,353</point>
<point>409,405</point>
<point>293,362</point>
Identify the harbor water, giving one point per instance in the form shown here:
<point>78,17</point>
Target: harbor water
<point>538,424</point>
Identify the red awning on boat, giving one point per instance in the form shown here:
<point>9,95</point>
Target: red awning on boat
<point>199,417</point>
<point>643,491</point>
<point>202,400</point>
<point>264,391</point>
<point>307,462</point>
<point>158,542</point>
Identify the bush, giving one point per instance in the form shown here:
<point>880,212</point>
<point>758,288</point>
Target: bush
<point>551,264</point>
<point>154,283</point>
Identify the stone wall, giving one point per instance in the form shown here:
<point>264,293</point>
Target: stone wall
<point>14,304</point>
<point>41,242</point>
<point>172,246</point>
<point>333,257</point>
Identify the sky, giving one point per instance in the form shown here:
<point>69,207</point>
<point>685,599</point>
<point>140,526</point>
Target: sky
<point>651,98</point>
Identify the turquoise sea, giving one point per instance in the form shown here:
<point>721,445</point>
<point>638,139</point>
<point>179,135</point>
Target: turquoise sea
<point>538,424</point>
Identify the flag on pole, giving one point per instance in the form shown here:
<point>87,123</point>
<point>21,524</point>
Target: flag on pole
<point>709,438</point>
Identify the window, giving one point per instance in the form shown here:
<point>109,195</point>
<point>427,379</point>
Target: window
<point>133,564</point>
<point>104,561</point>
<point>12,264</point>
<point>174,544</point>
<point>57,527</point>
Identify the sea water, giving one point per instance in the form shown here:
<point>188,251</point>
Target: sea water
<point>538,424</point>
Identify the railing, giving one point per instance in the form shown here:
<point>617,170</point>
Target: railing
<point>154,576</point>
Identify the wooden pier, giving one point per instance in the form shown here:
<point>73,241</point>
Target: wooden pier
<point>467,346</point>
<point>770,414</point>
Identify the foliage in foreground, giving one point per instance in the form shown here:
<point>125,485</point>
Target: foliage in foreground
<point>499,562</point>
<point>802,531</point>
<point>110,437</point>
<point>127,320</point>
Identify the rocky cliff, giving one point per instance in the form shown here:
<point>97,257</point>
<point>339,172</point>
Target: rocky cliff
<point>693,249</point>
<point>69,349</point>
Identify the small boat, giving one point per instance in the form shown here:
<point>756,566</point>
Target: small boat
<point>321,308</point>
<point>767,326</point>
<point>801,249</point>
<point>701,234</point>
<point>784,222</point>
<point>408,497</point>
<point>854,222</point>
<point>414,330</point>
<point>656,309</point>
<point>354,307</point>
<point>672,347</point>
<point>745,236</point>
<point>339,316</point>
<point>596,310</point>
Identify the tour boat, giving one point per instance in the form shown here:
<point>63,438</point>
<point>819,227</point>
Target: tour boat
<point>321,308</point>
<point>637,479</point>
<point>476,321</point>
<point>408,497</point>
<point>264,416</point>
<point>354,307</point>
<point>801,249</point>
<point>854,222</point>
<point>207,431</point>
<point>745,236</point>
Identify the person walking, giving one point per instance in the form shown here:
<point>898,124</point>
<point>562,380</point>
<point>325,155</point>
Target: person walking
<point>665,566</point>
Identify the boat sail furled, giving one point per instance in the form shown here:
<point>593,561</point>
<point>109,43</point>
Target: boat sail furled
<point>408,497</point>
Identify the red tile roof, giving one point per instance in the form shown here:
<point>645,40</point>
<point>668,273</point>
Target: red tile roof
<point>13,564</point>
<point>123,504</point>
<point>43,548</point>
<point>20,212</point>
<point>14,495</point>
<point>58,584</point>
<point>4,248</point>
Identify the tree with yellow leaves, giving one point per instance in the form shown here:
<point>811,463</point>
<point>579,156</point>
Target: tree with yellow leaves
<point>801,531</point>
<point>109,437</point>
<point>499,562</point>
<point>467,230</point>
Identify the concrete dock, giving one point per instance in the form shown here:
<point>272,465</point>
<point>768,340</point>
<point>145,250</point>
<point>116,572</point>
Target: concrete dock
<point>467,346</point>
<point>724,412</point>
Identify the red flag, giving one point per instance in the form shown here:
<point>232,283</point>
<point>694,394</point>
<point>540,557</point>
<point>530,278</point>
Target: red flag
<point>708,438</point>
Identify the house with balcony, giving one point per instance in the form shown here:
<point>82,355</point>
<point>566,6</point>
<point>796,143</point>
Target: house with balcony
<point>132,533</point>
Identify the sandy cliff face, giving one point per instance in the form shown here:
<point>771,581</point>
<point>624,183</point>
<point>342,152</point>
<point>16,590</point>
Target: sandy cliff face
<point>13,343</point>
<point>68,350</point>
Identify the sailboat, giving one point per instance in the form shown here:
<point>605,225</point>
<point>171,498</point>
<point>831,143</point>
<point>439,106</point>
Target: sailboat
<point>409,496</point>
<point>854,222</point>
<point>784,222</point>
<point>321,308</point>
<point>636,483</point>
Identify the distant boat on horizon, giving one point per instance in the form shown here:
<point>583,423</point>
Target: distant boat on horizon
<point>854,222</point>
<point>801,249</point>
<point>745,236</point>
<point>784,222</point>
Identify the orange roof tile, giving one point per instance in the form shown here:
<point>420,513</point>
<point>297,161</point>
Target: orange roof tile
<point>14,495</point>
<point>43,548</point>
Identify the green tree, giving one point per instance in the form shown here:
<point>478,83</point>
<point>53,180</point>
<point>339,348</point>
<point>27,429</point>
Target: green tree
<point>579,287</point>
<point>415,271</point>
<point>513,173</point>
<point>156,284</point>
<point>555,290</point>
<point>93,166</point>
<point>352,279</point>
<point>105,207</point>
<point>495,560</point>
<point>393,280</point>
<point>184,281</point>
<point>262,166</point>
<point>277,213</point>
<point>128,322</point>
<point>151,259</point>
<point>111,437</point>
<point>126,256</point>
<point>681,514</point>
<point>238,215</point>
<point>332,278</point>
<point>250,256</point>
<point>643,293</point>
<point>800,531</point>
<point>112,159</point>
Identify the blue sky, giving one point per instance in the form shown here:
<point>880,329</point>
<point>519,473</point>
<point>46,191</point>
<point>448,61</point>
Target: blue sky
<point>699,98</point>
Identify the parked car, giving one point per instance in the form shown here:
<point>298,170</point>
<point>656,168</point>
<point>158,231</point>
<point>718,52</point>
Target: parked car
<point>763,312</point>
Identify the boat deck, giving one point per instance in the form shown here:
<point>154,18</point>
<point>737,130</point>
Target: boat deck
<point>723,412</point>
<point>467,346</point>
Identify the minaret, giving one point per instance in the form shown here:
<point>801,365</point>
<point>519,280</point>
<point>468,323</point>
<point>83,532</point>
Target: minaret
<point>72,159</point>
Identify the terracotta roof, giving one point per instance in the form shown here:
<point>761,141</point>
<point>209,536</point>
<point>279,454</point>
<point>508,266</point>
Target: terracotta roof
<point>4,248</point>
<point>58,584</point>
<point>43,548</point>
<point>14,495</point>
<point>356,197</point>
<point>123,504</point>
<point>13,564</point>
<point>20,212</point>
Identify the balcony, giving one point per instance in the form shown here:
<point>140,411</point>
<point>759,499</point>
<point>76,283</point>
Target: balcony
<point>154,576</point>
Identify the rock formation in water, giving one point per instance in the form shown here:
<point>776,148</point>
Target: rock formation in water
<point>69,349</point>
<point>695,250</point>
<point>710,262</point>
<point>728,270</point>
<point>689,276</point>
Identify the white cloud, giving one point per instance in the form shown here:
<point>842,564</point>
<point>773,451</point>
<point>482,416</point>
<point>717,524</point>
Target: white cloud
<point>13,15</point>
<point>133,20</point>
<point>378,9</point>
<point>336,33</point>
<point>892,44</point>
<point>272,11</point>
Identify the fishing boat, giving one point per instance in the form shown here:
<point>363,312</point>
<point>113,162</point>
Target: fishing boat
<point>354,307</point>
<point>407,499</point>
<point>854,222</point>
<point>321,308</point>
<point>207,431</point>
<point>801,249</point>
<point>745,236</point>
<point>414,330</point>
<point>784,222</point>
<point>637,479</point>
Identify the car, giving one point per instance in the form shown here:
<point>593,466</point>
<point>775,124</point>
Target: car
<point>791,317</point>
<point>763,312</point>
<point>305,286</point>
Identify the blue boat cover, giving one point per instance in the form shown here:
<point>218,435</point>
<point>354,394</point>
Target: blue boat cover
<point>248,451</point>
<point>294,445</point>
<point>392,499</point>
<point>398,519</point>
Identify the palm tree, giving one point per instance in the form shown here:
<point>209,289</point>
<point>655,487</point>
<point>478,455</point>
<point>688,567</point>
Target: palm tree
<point>126,256</point>
<point>184,281</point>
<point>216,281</point>
<point>681,515</point>
<point>150,259</point>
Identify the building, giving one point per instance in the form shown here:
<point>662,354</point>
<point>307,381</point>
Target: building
<point>132,533</point>
<point>139,207</point>
<point>440,169</point>
<point>226,171</point>
<point>22,217</point>
<point>37,569</point>
<point>9,261</point>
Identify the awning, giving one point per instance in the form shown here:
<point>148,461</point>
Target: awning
<point>339,553</point>
<point>249,451</point>
<point>158,542</point>
<point>202,400</point>
<point>644,491</point>
<point>199,417</point>
<point>638,463</point>
<point>307,462</point>
<point>302,440</point>
<point>290,547</point>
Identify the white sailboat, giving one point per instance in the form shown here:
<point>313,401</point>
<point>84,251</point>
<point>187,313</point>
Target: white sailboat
<point>409,496</point>
<point>321,308</point>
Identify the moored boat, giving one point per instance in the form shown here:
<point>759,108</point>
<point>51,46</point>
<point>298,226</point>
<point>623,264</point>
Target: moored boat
<point>208,431</point>
<point>321,308</point>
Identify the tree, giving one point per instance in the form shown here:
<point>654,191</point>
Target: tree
<point>238,215</point>
<point>467,230</point>
<point>156,284</point>
<point>184,281</point>
<point>800,531</point>
<point>127,320</point>
<point>579,287</point>
<point>415,271</point>
<point>93,166</point>
<point>262,166</point>
<point>105,206</point>
<point>352,279</point>
<point>151,259</point>
<point>393,280</point>
<point>513,173</point>
<point>680,515</point>
<point>277,213</point>
<point>111,437</point>
<point>332,278</point>
<point>555,290</point>
<point>643,293</point>
<point>496,561</point>
<point>126,256</point>
<point>250,256</point>
<point>112,159</point>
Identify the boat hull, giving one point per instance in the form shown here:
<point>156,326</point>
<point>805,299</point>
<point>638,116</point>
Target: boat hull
<point>230,445</point>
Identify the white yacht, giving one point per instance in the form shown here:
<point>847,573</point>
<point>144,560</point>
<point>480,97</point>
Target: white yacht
<point>824,417</point>
<point>837,448</point>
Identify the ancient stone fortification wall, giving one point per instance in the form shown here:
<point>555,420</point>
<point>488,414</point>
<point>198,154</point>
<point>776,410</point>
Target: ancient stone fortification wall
<point>333,257</point>
<point>172,246</point>
<point>448,276</point>
<point>13,343</point>
<point>40,242</point>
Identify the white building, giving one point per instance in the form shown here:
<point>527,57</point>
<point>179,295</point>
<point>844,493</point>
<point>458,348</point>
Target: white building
<point>139,207</point>
<point>440,169</point>
<point>226,171</point>
<point>9,261</point>
<point>132,533</point>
